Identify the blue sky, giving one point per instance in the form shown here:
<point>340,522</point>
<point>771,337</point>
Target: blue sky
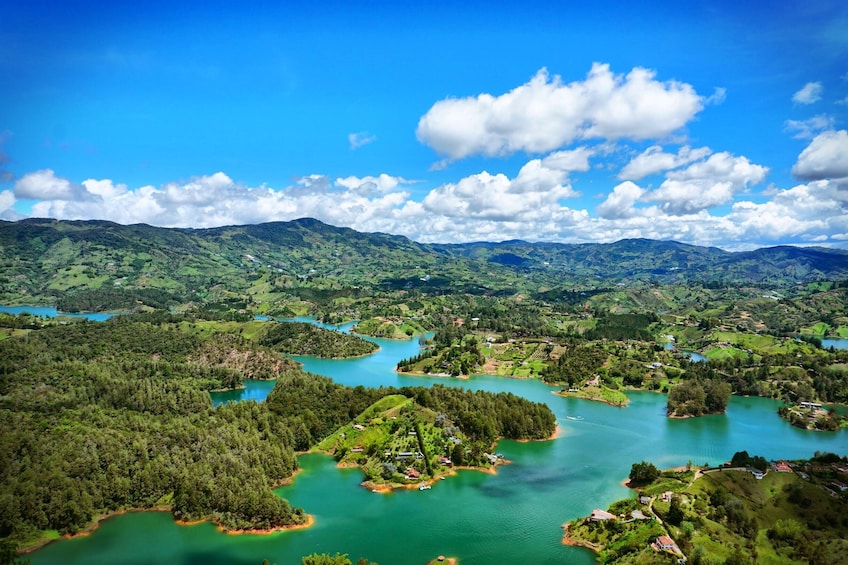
<point>715,123</point>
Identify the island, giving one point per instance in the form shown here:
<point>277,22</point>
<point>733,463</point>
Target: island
<point>411,439</point>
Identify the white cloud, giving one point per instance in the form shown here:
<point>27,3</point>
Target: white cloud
<point>7,200</point>
<point>809,93</point>
<point>360,138</point>
<point>809,128</point>
<point>535,189</point>
<point>368,184</point>
<point>620,203</point>
<point>654,160</point>
<point>216,200</point>
<point>572,160</point>
<point>43,184</point>
<point>706,184</point>
<point>545,114</point>
<point>491,207</point>
<point>825,157</point>
<point>718,96</point>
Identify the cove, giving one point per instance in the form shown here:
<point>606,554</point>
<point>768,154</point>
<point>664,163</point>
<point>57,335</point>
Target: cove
<point>50,312</point>
<point>513,516</point>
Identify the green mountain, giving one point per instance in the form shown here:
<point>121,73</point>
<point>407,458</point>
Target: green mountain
<point>89,264</point>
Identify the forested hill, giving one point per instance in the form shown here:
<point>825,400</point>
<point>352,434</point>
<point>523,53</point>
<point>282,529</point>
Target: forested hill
<point>661,261</point>
<point>44,260</point>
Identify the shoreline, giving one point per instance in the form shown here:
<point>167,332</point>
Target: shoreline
<point>387,488</point>
<point>99,519</point>
<point>91,528</point>
<point>601,400</point>
<point>557,433</point>
<point>572,542</point>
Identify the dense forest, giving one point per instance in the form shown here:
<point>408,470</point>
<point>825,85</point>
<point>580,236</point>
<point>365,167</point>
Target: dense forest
<point>301,338</point>
<point>102,417</point>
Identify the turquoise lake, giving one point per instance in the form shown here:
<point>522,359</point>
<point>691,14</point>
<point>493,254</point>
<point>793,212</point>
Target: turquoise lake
<point>514,516</point>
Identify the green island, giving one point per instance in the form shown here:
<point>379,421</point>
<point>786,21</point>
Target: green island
<point>404,440</point>
<point>100,418</point>
<point>744,512</point>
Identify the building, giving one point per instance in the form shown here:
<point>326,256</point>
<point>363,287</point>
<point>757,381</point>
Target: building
<point>599,515</point>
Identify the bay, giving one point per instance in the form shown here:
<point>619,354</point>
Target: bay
<point>512,516</point>
<point>50,312</point>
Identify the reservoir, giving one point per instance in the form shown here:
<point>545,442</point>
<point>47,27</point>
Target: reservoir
<point>514,516</point>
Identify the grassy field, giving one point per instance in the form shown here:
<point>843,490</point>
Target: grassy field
<point>600,394</point>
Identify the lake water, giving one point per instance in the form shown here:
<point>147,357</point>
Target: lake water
<point>50,312</point>
<point>514,516</point>
<point>836,343</point>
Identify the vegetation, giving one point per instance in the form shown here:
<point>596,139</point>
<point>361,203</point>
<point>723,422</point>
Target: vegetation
<point>643,473</point>
<point>730,516</point>
<point>98,418</point>
<point>301,338</point>
<point>698,396</point>
<point>101,417</point>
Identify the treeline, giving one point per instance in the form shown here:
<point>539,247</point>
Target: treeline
<point>117,298</point>
<point>91,421</point>
<point>301,338</point>
<point>619,327</point>
<point>453,350</point>
<point>487,416</point>
<point>698,396</point>
<point>577,364</point>
<point>314,406</point>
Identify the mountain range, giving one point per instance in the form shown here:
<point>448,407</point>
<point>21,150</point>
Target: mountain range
<point>42,259</point>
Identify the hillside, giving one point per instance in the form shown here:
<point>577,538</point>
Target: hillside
<point>786,513</point>
<point>98,265</point>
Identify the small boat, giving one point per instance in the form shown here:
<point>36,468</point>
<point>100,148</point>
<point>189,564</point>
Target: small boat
<point>424,486</point>
<point>578,418</point>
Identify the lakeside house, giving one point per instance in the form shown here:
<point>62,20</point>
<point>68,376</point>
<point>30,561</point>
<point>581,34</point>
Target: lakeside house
<point>665,543</point>
<point>644,499</point>
<point>782,467</point>
<point>810,405</point>
<point>412,474</point>
<point>599,515</point>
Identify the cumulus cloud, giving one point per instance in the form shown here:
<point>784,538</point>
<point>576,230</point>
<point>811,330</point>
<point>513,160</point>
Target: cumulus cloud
<point>572,160</point>
<point>654,160</point>
<point>706,184</point>
<point>216,200</point>
<point>809,93</point>
<point>545,114</point>
<point>360,138</point>
<point>533,205</point>
<point>43,185</point>
<point>7,200</point>
<point>809,128</point>
<point>620,203</point>
<point>371,185</point>
<point>825,157</point>
<point>537,187</point>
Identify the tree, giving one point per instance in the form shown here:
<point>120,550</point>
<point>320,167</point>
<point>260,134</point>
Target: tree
<point>643,473</point>
<point>675,512</point>
<point>325,559</point>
